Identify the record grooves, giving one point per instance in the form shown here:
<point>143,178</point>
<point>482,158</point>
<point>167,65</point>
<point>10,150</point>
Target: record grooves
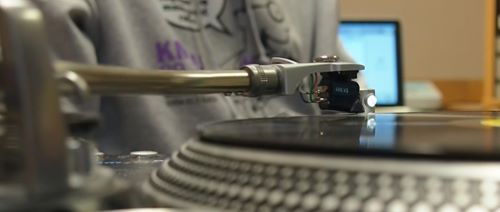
<point>447,136</point>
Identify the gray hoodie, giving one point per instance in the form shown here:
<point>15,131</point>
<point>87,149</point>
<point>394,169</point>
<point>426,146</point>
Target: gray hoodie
<point>185,35</point>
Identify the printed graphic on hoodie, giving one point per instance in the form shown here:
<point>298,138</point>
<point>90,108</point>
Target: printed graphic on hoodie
<point>183,14</point>
<point>275,34</point>
<point>274,29</point>
<point>173,56</point>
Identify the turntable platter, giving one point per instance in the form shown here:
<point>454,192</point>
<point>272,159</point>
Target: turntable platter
<point>454,135</point>
<point>404,162</point>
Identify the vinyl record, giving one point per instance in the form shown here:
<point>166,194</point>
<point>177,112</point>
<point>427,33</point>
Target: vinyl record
<point>453,135</point>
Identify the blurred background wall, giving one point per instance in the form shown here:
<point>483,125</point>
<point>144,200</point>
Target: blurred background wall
<point>443,40</point>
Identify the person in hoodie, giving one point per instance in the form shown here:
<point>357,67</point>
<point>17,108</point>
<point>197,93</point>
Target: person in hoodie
<point>177,35</point>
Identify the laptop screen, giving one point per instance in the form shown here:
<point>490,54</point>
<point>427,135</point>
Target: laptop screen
<point>376,45</point>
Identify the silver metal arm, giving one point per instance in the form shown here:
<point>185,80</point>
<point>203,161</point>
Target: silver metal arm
<point>252,80</point>
<point>121,80</point>
<point>281,78</point>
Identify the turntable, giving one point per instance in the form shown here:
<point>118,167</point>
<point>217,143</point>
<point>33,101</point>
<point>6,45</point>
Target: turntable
<point>354,161</point>
<point>340,162</point>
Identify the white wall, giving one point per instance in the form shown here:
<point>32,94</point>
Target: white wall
<point>442,39</point>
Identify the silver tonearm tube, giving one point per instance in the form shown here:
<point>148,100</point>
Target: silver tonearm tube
<point>251,80</point>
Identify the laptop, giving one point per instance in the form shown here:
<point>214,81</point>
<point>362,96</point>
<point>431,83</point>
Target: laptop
<point>377,45</point>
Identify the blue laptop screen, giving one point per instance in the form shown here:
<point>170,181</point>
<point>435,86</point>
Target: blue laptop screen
<point>374,44</point>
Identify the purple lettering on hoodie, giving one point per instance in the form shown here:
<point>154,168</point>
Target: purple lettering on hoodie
<point>176,56</point>
<point>247,59</point>
<point>163,52</point>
